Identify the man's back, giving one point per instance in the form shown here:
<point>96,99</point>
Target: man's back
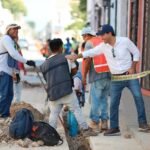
<point>56,73</point>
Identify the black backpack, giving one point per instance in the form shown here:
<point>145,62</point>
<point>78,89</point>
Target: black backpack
<point>46,133</point>
<point>21,124</point>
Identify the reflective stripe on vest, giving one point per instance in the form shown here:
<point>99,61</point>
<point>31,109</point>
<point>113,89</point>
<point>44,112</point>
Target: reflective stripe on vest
<point>100,63</point>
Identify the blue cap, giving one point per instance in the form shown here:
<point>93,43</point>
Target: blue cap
<point>106,28</point>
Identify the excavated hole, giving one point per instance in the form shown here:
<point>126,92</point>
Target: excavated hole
<point>75,143</point>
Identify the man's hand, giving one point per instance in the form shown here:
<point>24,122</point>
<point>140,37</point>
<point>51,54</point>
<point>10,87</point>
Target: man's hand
<point>31,63</point>
<point>131,71</point>
<point>72,57</point>
<point>16,77</point>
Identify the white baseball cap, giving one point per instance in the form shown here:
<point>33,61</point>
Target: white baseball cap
<point>11,26</point>
<point>88,30</point>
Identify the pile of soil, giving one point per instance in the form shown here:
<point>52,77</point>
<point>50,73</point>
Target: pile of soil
<point>5,122</point>
<point>4,131</point>
<point>17,106</point>
<point>6,139</point>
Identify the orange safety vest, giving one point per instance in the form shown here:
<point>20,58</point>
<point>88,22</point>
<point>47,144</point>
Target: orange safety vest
<point>100,63</point>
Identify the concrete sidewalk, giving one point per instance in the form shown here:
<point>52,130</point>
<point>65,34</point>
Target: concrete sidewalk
<point>128,125</point>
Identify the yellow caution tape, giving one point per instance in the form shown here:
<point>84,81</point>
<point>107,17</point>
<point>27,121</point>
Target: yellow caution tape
<point>130,76</point>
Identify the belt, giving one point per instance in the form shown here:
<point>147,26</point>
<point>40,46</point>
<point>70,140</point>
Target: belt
<point>125,73</point>
<point>130,76</point>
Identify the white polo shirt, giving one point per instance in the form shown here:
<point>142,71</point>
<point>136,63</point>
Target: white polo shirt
<point>7,45</point>
<point>121,60</point>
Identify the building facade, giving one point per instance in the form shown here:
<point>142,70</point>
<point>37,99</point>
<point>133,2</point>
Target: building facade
<point>129,18</point>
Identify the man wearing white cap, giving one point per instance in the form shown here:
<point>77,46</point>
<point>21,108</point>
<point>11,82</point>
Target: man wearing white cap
<point>8,57</point>
<point>99,78</point>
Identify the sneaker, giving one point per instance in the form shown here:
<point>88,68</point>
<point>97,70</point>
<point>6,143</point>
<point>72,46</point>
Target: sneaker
<point>144,127</point>
<point>112,132</point>
<point>89,132</point>
<point>104,125</point>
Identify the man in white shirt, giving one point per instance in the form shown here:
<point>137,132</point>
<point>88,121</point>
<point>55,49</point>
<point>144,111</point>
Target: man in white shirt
<point>8,57</point>
<point>122,56</point>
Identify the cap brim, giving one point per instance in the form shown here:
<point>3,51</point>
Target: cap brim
<point>16,27</point>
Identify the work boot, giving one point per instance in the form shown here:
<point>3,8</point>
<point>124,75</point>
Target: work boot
<point>104,125</point>
<point>88,132</point>
<point>94,126</point>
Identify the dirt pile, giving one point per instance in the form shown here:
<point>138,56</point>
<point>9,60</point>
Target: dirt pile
<point>5,122</point>
<point>17,106</point>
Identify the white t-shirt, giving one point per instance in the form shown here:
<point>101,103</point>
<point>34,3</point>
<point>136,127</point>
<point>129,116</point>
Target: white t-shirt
<point>77,84</point>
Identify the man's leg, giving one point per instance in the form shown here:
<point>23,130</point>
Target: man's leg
<point>54,113</point>
<point>6,94</point>
<point>75,108</point>
<point>104,104</point>
<point>116,88</point>
<point>99,105</point>
<point>135,89</point>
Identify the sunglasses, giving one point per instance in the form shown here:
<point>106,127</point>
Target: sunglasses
<point>113,52</point>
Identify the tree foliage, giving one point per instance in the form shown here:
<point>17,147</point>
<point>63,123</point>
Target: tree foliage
<point>15,6</point>
<point>78,12</point>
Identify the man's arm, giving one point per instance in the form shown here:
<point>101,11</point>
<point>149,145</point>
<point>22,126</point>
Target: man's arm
<point>12,51</point>
<point>87,64</point>
<point>90,53</point>
<point>136,56</point>
<point>132,70</point>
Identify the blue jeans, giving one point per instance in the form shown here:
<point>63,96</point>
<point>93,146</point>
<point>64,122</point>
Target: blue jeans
<point>99,100</point>
<point>6,93</point>
<point>116,90</point>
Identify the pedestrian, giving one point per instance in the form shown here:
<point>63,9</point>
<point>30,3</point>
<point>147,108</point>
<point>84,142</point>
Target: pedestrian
<point>8,62</point>
<point>45,51</point>
<point>57,73</point>
<point>122,57</point>
<point>78,86</point>
<point>99,79</point>
<point>17,85</point>
<point>67,46</point>
<point>75,45</point>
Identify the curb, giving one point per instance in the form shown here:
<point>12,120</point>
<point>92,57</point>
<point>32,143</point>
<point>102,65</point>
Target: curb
<point>141,137</point>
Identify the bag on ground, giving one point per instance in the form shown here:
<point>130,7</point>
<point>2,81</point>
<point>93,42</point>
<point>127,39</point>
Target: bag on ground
<point>46,133</point>
<point>21,124</point>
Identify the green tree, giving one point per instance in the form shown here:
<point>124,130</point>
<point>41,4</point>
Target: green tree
<point>78,12</point>
<point>15,6</point>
